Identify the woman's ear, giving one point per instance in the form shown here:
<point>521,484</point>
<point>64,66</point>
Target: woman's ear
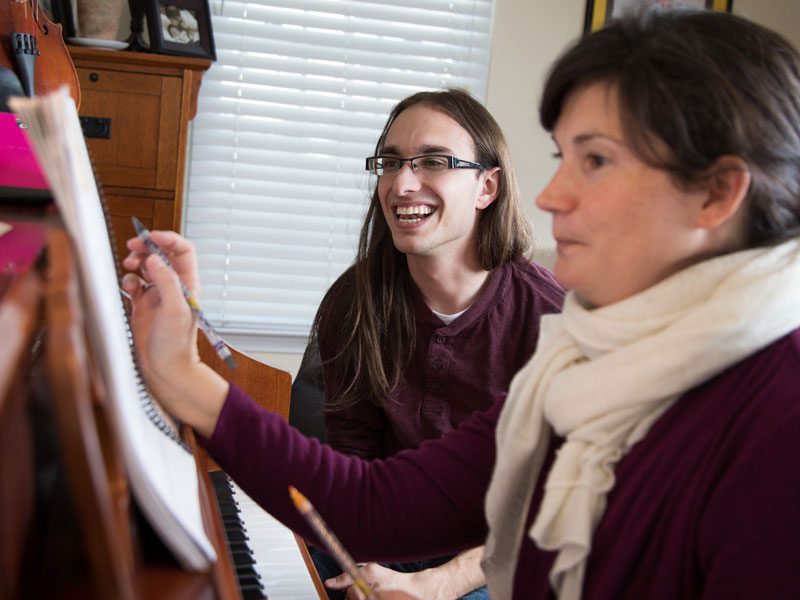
<point>727,187</point>
<point>490,189</point>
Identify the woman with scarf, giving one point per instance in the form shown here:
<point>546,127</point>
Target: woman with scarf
<point>650,447</point>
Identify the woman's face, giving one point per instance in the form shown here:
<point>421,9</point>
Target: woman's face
<point>620,225</point>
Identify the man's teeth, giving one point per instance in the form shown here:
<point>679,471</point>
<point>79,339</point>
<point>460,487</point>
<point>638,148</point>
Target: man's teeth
<point>413,213</point>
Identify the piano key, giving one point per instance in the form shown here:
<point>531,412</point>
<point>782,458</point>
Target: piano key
<point>271,550</point>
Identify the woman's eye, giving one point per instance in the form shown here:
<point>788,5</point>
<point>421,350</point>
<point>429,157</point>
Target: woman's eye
<point>596,161</point>
<point>557,155</point>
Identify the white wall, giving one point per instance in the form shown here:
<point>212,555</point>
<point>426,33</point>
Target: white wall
<point>528,35</point>
<point>781,15</point>
<point>527,38</point>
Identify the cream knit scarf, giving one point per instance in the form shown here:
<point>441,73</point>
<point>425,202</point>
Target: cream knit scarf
<point>600,378</point>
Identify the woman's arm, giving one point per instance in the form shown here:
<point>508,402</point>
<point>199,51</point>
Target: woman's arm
<point>422,502</point>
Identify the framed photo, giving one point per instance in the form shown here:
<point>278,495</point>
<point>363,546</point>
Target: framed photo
<point>599,11</point>
<point>180,27</point>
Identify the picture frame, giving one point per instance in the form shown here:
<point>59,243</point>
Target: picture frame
<point>600,11</point>
<point>180,28</point>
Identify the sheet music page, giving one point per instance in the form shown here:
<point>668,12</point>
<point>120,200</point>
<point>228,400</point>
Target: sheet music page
<point>162,472</point>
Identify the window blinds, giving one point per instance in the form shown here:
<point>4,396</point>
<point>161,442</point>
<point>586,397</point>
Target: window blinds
<point>276,186</point>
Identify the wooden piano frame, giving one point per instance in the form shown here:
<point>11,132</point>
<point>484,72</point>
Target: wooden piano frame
<point>116,563</point>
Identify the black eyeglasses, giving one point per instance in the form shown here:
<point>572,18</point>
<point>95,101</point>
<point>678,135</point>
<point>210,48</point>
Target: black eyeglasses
<point>427,163</point>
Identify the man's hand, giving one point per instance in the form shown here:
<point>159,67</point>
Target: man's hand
<point>393,595</point>
<point>379,579</point>
<point>449,581</point>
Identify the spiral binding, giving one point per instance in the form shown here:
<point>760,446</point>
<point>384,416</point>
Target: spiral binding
<point>152,410</point>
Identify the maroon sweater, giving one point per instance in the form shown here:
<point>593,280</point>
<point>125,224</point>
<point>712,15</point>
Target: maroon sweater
<point>455,370</point>
<point>706,506</point>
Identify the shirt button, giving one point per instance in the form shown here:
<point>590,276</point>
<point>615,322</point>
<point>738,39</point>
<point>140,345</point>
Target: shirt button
<point>436,364</point>
<point>440,339</point>
<point>435,385</point>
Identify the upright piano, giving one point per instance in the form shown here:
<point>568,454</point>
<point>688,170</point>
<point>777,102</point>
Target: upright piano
<point>69,526</point>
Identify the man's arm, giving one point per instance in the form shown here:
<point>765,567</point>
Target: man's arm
<point>449,581</point>
<point>356,429</point>
<point>308,395</point>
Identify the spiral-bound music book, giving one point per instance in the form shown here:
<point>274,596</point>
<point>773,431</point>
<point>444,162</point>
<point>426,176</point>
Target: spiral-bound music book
<point>162,472</point>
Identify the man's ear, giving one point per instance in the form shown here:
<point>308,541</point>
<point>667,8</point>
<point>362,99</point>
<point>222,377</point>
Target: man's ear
<point>490,189</point>
<point>727,187</point>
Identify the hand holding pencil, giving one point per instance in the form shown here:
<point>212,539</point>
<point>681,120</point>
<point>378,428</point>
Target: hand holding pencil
<point>332,543</point>
<point>165,331</point>
<point>205,326</point>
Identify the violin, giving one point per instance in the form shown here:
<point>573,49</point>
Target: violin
<point>32,47</point>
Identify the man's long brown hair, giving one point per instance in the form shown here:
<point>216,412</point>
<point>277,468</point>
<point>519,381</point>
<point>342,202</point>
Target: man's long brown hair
<point>366,321</point>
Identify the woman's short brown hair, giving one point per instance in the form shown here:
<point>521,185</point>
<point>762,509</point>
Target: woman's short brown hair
<point>701,84</point>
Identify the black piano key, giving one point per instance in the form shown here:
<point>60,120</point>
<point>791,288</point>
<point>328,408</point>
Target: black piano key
<point>246,571</point>
<point>248,579</point>
<point>218,476</point>
<point>254,579</point>
<point>238,546</point>
<point>243,557</point>
<point>236,535</point>
<point>229,510</point>
<point>224,493</point>
<point>232,520</point>
<point>219,479</point>
<point>253,593</point>
<point>221,484</point>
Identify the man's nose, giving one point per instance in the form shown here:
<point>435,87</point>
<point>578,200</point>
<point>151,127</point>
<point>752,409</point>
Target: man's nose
<point>406,179</point>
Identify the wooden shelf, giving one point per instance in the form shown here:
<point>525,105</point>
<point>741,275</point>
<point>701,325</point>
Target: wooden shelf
<point>149,100</point>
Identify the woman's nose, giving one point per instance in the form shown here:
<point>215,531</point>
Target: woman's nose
<point>557,196</point>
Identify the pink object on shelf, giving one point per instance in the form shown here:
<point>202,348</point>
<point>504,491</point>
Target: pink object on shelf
<point>20,174</point>
<point>21,245</point>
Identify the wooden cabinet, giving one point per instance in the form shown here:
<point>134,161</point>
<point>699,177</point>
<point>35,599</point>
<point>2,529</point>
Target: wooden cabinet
<point>148,101</point>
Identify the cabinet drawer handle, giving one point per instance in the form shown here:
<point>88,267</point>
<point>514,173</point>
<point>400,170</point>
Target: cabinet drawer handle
<point>96,127</point>
<point>94,77</point>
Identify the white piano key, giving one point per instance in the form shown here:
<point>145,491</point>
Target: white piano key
<point>278,560</point>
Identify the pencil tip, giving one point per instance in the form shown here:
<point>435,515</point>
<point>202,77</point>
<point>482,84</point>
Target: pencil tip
<point>298,498</point>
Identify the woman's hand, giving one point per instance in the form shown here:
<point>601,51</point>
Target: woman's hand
<point>179,251</point>
<point>165,332</point>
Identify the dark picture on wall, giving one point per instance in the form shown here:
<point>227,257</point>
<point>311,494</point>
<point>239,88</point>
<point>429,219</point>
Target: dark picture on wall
<point>599,11</point>
<point>180,27</point>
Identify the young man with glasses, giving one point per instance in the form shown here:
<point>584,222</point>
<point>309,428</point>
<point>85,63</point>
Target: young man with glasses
<point>440,307</point>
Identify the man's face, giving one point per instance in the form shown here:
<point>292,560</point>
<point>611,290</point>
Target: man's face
<point>433,214</point>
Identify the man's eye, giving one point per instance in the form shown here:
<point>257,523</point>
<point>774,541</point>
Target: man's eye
<point>433,162</point>
<point>390,164</point>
